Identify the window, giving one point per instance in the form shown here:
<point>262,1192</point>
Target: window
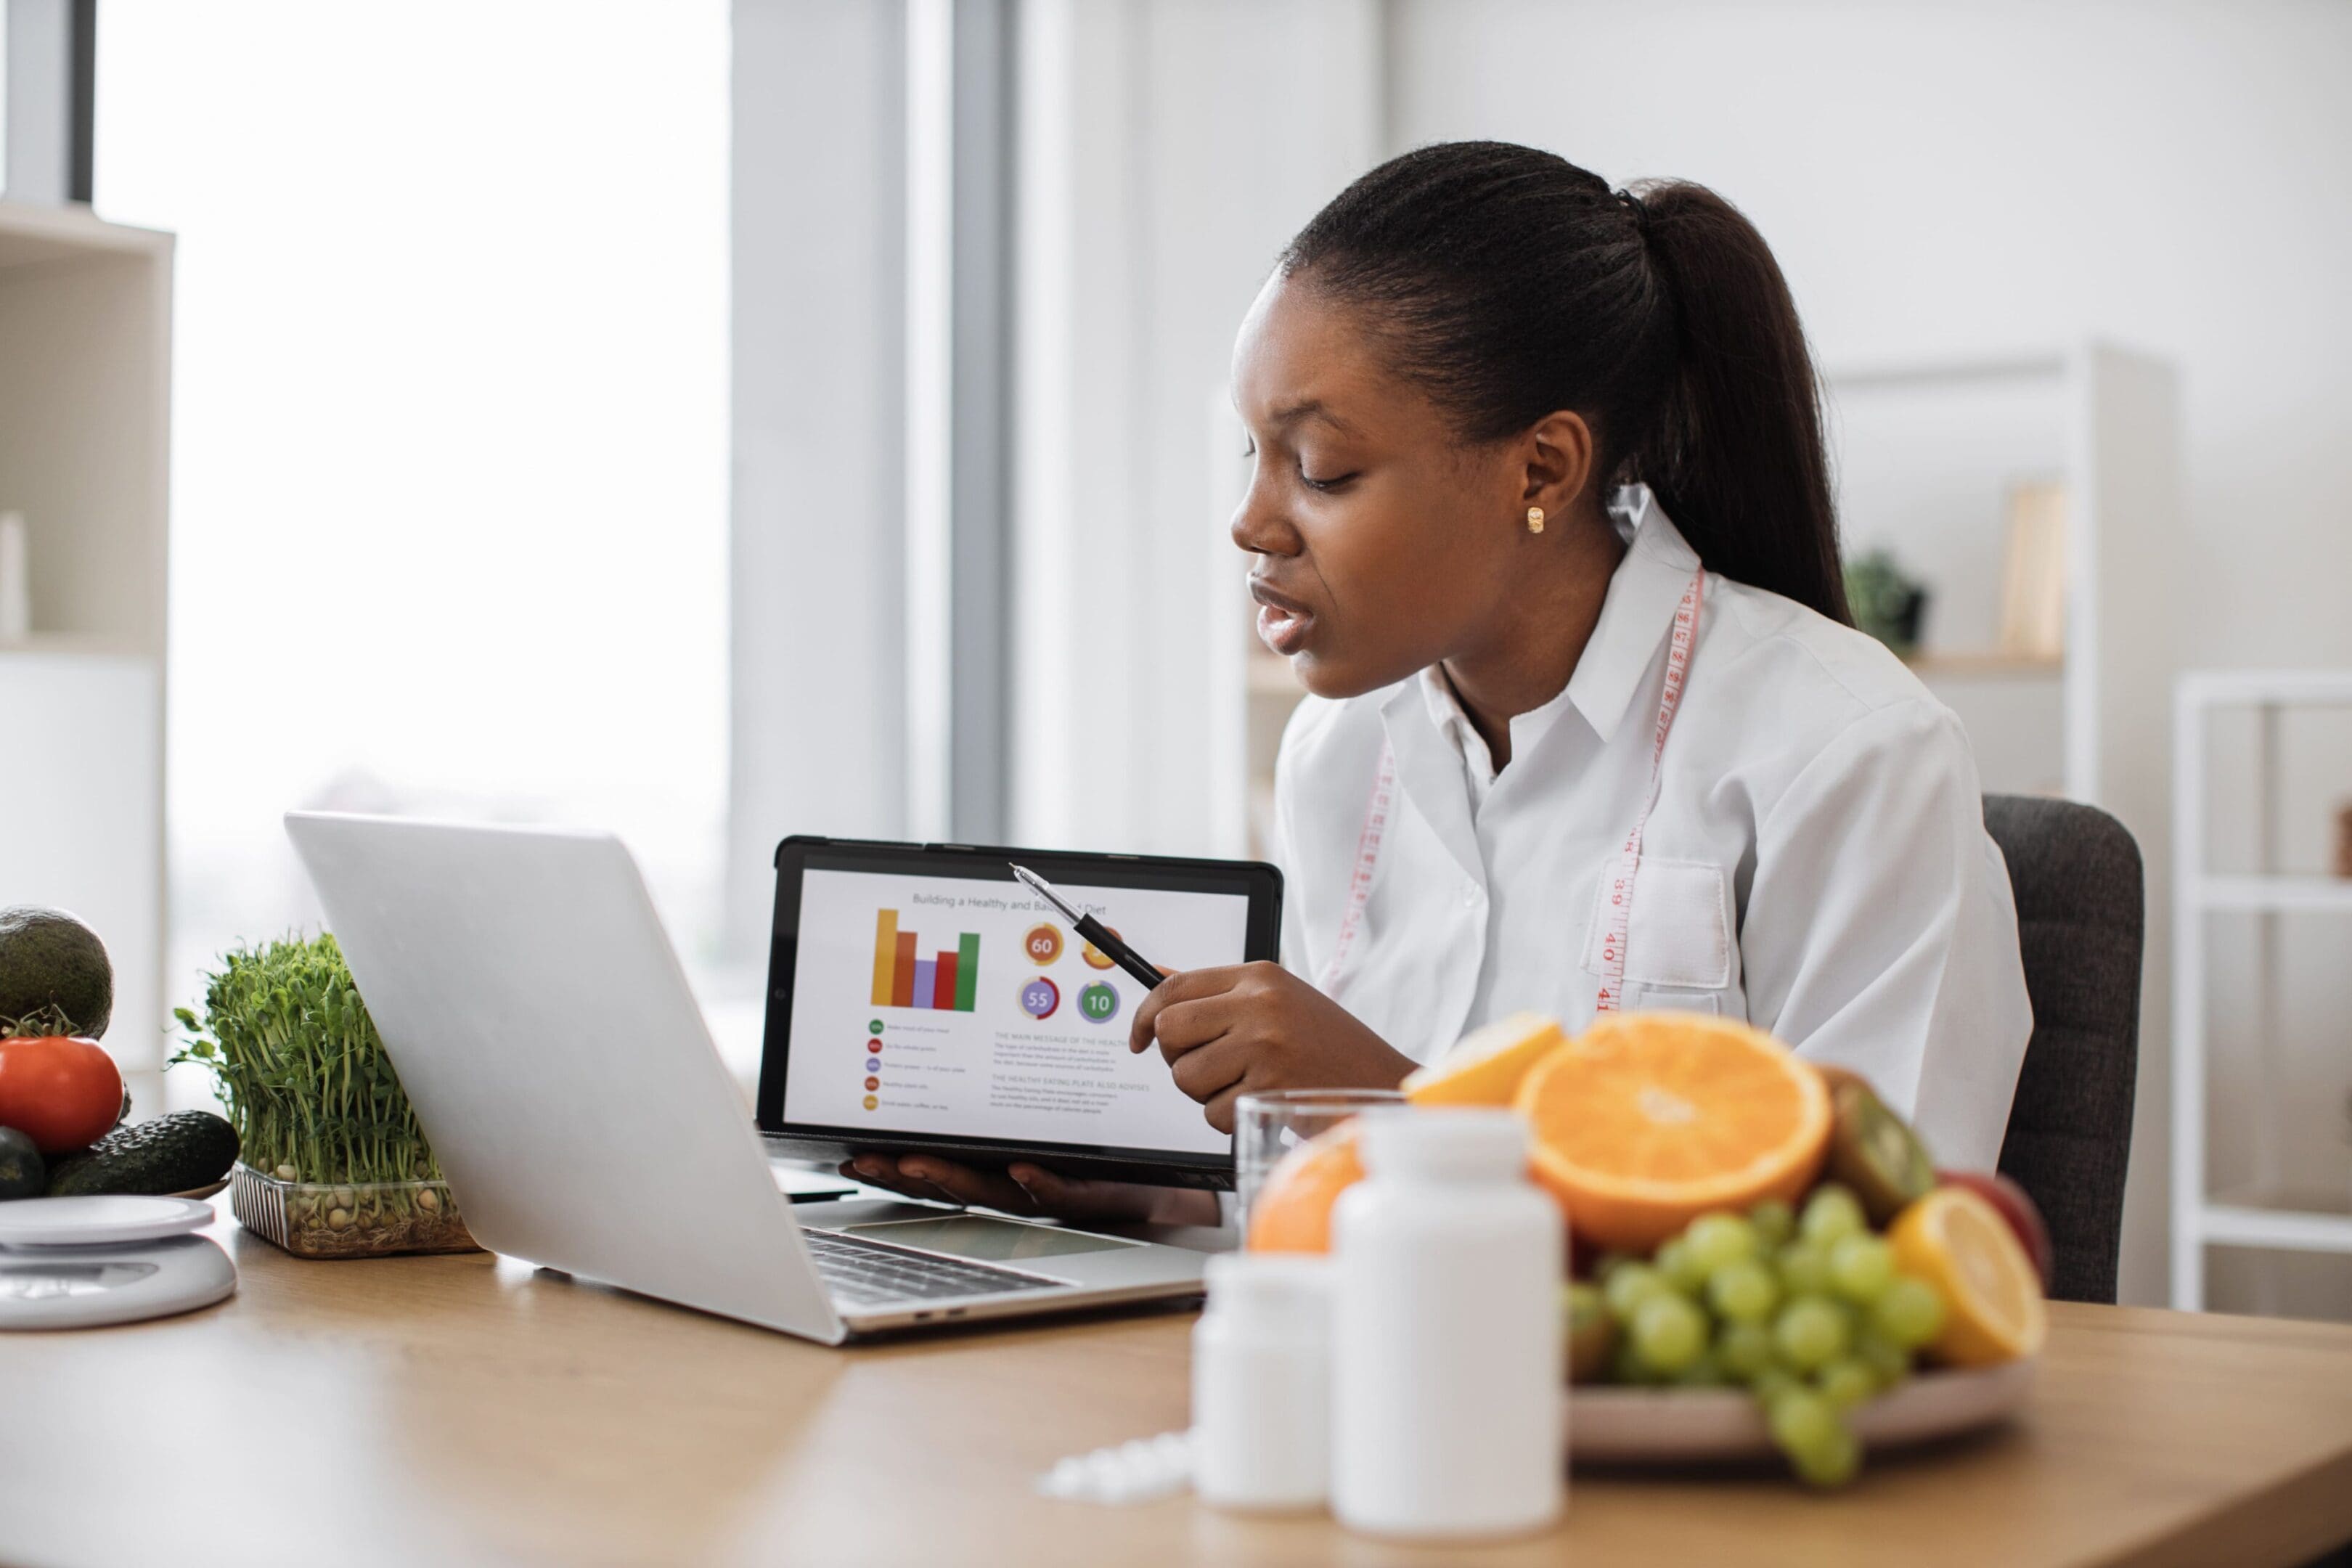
<point>450,482</point>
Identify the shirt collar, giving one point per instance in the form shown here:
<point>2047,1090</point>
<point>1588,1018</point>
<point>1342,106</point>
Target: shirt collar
<point>1638,613</point>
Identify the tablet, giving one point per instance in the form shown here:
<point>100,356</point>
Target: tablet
<point>921,998</point>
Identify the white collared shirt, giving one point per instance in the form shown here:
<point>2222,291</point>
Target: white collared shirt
<point>1816,863</point>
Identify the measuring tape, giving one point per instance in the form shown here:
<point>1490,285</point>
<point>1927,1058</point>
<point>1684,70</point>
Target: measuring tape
<point>1621,888</point>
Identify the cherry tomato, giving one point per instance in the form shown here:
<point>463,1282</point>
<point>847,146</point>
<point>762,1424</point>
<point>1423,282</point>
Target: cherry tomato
<point>61,1092</point>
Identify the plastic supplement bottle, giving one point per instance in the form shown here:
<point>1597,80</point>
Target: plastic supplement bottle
<point>1261,1382</point>
<point>1445,1359</point>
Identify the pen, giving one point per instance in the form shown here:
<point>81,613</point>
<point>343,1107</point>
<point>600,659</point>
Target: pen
<point>1092,930</point>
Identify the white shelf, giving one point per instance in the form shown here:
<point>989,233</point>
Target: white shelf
<point>1985,664</point>
<point>2266,687</point>
<point>2260,1217</point>
<point>2291,1230</point>
<point>2326,894</point>
<point>85,444</point>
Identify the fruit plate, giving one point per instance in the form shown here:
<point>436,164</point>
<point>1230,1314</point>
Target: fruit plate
<point>1656,1426</point>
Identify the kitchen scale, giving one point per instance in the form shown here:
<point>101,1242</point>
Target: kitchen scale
<point>83,1263</point>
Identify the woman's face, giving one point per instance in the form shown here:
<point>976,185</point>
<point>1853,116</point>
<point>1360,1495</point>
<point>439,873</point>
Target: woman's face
<point>1383,542</point>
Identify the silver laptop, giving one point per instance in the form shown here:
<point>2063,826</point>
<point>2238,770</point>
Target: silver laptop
<point>540,1021</point>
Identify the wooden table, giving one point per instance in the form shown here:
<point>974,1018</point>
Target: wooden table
<point>467,1409</point>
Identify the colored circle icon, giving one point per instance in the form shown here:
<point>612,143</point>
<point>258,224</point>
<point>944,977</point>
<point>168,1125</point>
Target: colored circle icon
<point>1040,996</point>
<point>873,1083</point>
<point>871,1102</point>
<point>873,1044</point>
<point>1042,943</point>
<point>873,1064</point>
<point>874,1025</point>
<point>1096,957</point>
<point>1098,1003</point>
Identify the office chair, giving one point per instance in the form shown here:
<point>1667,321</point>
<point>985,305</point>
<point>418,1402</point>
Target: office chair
<point>2081,918</point>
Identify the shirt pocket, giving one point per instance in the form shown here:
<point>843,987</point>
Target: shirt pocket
<point>1679,939</point>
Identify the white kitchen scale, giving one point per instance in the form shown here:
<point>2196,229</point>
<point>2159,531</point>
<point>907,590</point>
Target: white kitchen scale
<point>83,1263</point>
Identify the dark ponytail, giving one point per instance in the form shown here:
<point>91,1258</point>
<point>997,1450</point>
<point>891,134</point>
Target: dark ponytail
<point>1510,283</point>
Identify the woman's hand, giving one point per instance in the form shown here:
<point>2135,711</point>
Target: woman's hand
<point>1025,1189</point>
<point>1250,1028</point>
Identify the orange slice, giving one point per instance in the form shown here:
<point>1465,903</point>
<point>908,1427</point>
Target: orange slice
<point>1487,1065</point>
<point>1292,1212</point>
<point>1649,1119</point>
<point>1992,1294</point>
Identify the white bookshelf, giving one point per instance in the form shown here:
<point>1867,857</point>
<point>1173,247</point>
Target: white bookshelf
<point>85,434</point>
<point>2264,1213</point>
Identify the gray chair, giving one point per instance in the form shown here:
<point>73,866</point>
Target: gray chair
<point>2081,918</point>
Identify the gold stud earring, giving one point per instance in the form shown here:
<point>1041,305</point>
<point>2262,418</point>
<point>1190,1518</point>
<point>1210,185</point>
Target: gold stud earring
<point>1534,519</point>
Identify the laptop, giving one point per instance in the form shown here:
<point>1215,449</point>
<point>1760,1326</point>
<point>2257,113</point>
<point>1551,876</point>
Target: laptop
<point>540,1022</point>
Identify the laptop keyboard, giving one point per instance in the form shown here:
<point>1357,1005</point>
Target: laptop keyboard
<point>866,1273</point>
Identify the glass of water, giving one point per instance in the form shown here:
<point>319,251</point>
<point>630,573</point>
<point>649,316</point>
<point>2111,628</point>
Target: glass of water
<point>1268,1126</point>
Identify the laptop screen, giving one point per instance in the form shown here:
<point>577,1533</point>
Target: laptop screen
<point>930,994</point>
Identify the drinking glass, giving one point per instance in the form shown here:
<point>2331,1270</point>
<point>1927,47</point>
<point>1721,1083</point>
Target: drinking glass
<point>1268,1126</point>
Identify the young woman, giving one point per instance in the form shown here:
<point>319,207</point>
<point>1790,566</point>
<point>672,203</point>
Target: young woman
<point>1541,517</point>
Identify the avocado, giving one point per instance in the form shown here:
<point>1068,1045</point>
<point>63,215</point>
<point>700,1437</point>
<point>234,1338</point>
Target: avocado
<point>20,1165</point>
<point>50,959</point>
<point>175,1153</point>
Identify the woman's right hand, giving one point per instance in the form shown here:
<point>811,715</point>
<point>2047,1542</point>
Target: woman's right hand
<point>1022,1188</point>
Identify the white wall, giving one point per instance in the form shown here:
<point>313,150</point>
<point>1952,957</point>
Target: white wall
<point>1168,149</point>
<point>1965,179</point>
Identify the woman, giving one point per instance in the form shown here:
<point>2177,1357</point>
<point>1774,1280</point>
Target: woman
<point>1541,517</point>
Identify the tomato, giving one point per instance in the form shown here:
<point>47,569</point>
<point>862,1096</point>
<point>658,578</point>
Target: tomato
<point>62,1093</point>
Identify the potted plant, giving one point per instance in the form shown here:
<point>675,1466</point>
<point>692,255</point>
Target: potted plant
<point>334,1164</point>
<point>1885,601</point>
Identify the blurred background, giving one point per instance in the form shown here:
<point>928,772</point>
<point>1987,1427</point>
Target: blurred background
<point>714,421</point>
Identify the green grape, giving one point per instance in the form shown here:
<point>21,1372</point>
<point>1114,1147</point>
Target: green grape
<point>1775,1222</point>
<point>1833,1463</point>
<point>1675,1260</point>
<point>1607,1264</point>
<point>1704,1371</point>
<point>1911,1313</point>
<point>1668,1333</point>
<point>1845,1382</point>
<point>1718,1240</point>
<point>1811,1332</point>
<point>1771,1383</point>
<point>1744,1291</point>
<point>1801,1421</point>
<point>1831,1213</point>
<point>1625,1365</point>
<point>1889,1362</point>
<point>1803,1267</point>
<point>1627,1286</point>
<point>1743,1349</point>
<point>1861,1267</point>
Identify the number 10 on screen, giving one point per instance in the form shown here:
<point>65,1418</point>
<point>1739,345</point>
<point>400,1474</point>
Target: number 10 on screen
<point>946,982</point>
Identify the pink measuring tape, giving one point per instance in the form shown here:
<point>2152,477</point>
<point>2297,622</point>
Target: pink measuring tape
<point>1621,887</point>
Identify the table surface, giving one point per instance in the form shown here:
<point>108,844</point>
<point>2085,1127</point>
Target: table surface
<point>471,1409</point>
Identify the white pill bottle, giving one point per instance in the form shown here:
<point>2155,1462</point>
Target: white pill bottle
<point>1261,1382</point>
<point>1447,1407</point>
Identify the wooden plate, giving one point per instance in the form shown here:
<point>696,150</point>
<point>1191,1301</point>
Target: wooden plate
<point>202,1192</point>
<point>1655,1425</point>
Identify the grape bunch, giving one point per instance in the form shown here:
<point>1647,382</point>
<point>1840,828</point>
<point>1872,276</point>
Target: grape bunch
<point>1807,1310</point>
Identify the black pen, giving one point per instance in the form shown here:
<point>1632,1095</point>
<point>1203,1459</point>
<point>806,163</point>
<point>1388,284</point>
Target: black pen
<point>1092,930</point>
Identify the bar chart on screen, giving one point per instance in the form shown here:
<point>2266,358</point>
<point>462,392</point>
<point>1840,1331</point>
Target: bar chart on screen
<point>948,981</point>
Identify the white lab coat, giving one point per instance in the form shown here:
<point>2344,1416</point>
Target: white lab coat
<point>1816,863</point>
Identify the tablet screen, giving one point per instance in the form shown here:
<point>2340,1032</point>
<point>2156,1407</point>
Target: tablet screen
<point>933,995</point>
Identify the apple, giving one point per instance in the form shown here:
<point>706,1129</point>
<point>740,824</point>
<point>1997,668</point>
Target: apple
<point>2010,1201</point>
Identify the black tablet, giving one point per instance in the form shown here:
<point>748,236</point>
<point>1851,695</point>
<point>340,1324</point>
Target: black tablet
<point>921,998</point>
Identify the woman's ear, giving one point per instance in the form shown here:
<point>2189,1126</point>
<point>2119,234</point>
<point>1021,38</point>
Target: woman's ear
<point>1559,462</point>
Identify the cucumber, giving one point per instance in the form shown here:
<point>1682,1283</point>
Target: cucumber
<point>172,1153</point>
<point>21,1172</point>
